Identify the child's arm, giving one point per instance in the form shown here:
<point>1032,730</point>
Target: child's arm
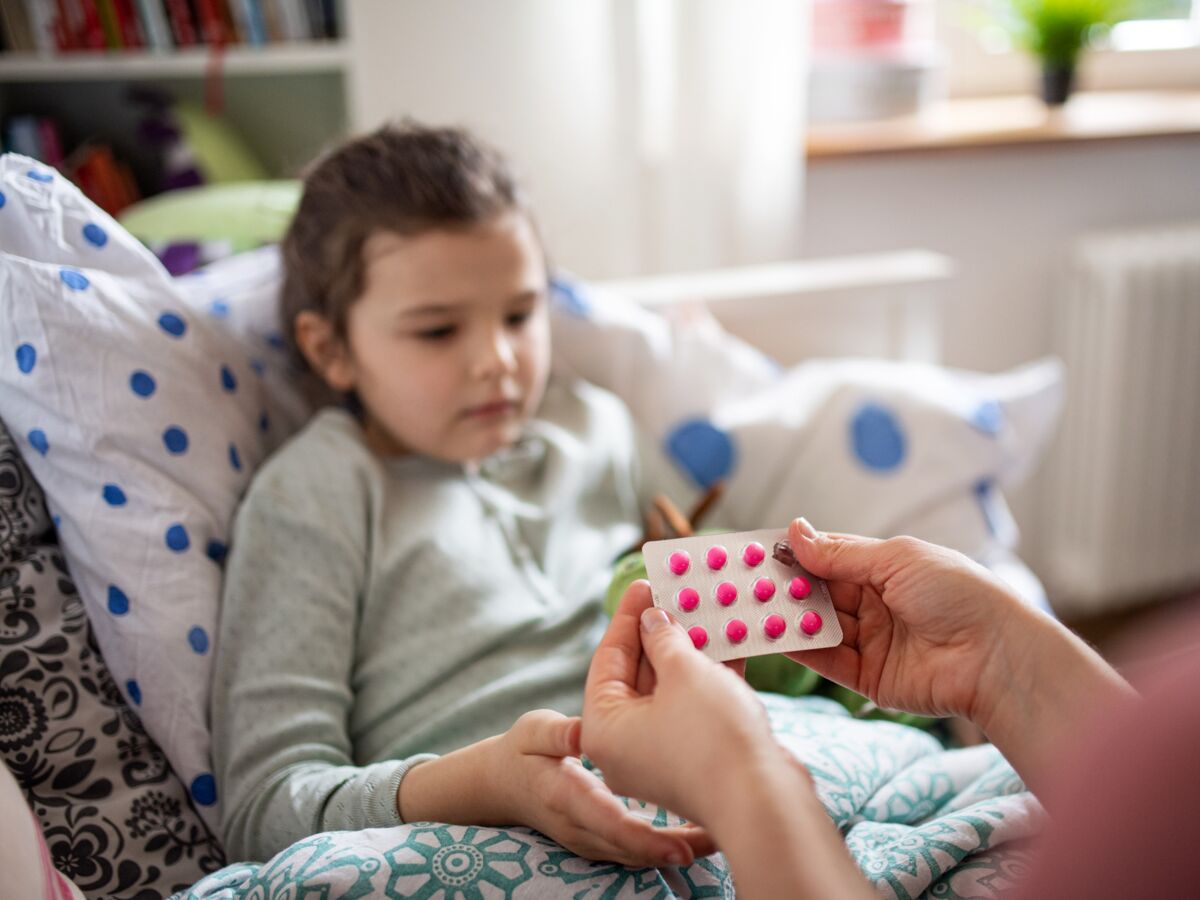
<point>290,661</point>
<point>530,775</point>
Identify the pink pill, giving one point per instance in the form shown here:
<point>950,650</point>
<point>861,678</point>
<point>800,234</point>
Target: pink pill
<point>698,635</point>
<point>716,558</point>
<point>799,588</point>
<point>726,593</point>
<point>736,631</point>
<point>810,622</point>
<point>754,554</point>
<point>679,562</point>
<point>764,589</point>
<point>774,626</point>
<point>688,599</point>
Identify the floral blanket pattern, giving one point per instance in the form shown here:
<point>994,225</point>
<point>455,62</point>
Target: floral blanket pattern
<point>920,821</point>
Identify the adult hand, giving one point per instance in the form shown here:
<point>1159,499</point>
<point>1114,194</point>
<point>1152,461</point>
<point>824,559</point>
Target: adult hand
<point>667,724</point>
<point>922,625</point>
<point>927,630</point>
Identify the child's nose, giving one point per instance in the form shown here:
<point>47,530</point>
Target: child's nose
<point>496,356</point>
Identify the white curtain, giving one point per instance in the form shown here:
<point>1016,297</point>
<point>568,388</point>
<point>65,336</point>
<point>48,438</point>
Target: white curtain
<point>655,135</point>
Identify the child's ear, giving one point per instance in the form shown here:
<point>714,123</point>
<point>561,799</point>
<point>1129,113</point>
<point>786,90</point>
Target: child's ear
<point>327,354</point>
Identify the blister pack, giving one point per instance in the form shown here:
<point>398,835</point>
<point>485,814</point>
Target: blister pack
<point>741,594</point>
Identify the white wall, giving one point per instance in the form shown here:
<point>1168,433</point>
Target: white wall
<point>1006,216</point>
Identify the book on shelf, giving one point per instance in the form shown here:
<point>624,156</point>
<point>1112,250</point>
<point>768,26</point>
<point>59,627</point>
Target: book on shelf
<point>66,26</point>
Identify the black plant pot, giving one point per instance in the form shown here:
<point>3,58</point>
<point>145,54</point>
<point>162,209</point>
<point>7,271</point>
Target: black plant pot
<point>1057,82</point>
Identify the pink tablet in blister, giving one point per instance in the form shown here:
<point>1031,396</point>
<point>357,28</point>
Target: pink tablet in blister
<point>764,589</point>
<point>790,607</point>
<point>799,587</point>
<point>774,626</point>
<point>736,631</point>
<point>679,563</point>
<point>688,599</point>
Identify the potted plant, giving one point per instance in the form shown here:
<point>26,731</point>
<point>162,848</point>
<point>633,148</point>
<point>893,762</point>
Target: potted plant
<point>1057,31</point>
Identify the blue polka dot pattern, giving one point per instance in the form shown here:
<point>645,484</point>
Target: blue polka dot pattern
<point>275,339</point>
<point>134,691</point>
<point>175,439</point>
<point>3,199</point>
<point>95,235</point>
<point>204,789</point>
<point>983,494</point>
<point>228,382</point>
<point>43,177</point>
<point>39,442</point>
<point>172,324</point>
<point>702,450</point>
<point>570,299</point>
<point>263,422</point>
<point>74,279</point>
<point>259,368</point>
<point>988,417</point>
<point>876,438</point>
<point>219,309</point>
<point>26,358</point>
<point>142,383</point>
<point>57,520</point>
<point>216,551</point>
<point>118,603</point>
<point>177,538</point>
<point>198,638</point>
<point>235,459</point>
<point>113,495</point>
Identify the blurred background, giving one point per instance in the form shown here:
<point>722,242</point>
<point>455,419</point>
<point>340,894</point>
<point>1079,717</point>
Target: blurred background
<point>1025,174</point>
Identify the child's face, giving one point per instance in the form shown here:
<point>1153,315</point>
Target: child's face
<point>449,344</point>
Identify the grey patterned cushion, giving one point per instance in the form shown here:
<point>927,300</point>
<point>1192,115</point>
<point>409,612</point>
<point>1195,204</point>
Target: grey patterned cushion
<point>116,818</point>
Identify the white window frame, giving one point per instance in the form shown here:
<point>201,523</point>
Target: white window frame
<point>970,69</point>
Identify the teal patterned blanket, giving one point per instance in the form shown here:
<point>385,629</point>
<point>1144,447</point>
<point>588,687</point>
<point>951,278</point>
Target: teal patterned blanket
<point>921,822</point>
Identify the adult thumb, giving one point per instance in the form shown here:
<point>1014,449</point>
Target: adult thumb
<point>841,557</point>
<point>664,641</point>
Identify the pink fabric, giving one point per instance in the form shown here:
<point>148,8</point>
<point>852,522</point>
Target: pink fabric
<point>1125,809</point>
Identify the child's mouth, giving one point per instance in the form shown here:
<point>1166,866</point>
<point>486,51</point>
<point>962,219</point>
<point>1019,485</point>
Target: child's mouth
<point>492,410</point>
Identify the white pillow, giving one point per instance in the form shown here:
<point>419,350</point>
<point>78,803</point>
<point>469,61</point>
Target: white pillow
<point>143,421</point>
<point>867,446</point>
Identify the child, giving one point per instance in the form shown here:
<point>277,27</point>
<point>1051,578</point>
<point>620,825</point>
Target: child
<point>409,578</point>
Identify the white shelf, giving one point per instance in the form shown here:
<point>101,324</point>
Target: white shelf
<point>271,59</point>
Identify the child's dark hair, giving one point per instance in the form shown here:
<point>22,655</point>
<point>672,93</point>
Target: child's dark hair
<point>405,178</point>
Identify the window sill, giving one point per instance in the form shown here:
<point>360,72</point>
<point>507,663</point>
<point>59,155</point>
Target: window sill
<point>983,122</point>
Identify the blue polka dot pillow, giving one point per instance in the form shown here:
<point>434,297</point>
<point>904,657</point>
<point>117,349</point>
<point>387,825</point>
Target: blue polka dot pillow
<point>142,417</point>
<point>862,445</point>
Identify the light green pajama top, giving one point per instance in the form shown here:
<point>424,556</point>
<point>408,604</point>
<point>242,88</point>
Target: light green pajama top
<point>376,610</point>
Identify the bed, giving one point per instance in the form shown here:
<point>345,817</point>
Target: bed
<point>136,407</point>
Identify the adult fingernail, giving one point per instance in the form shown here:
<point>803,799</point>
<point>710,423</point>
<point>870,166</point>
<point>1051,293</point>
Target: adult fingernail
<point>654,618</point>
<point>805,528</point>
<point>674,858</point>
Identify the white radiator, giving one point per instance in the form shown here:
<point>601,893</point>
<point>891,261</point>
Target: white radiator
<point>1123,488</point>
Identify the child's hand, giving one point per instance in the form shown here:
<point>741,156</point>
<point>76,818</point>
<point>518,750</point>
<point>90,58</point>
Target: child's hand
<point>546,787</point>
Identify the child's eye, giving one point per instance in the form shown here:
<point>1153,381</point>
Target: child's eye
<point>517,319</point>
<point>437,334</point>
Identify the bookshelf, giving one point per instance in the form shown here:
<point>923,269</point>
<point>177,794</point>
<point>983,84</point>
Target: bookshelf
<point>325,56</point>
<point>288,94</point>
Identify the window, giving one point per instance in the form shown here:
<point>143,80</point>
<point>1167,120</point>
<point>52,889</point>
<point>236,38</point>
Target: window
<point>1160,50</point>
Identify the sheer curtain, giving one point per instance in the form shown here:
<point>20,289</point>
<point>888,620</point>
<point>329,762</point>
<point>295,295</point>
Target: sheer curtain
<point>655,135</point>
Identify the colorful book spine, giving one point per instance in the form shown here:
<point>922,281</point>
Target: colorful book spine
<point>183,30</point>
<point>154,24</point>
